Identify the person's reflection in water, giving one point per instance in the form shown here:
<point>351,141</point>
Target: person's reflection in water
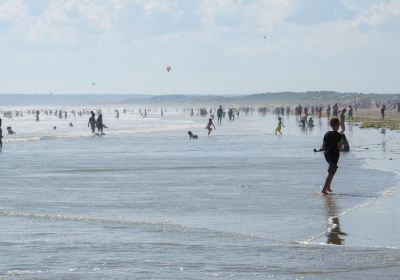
<point>383,131</point>
<point>334,232</point>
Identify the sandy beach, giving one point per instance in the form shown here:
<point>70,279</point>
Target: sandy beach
<point>370,118</point>
<point>375,223</point>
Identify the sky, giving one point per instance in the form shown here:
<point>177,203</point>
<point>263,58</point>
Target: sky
<point>225,47</point>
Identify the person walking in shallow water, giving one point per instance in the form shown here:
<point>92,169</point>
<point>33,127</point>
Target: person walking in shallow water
<point>350,113</point>
<point>92,122</point>
<point>208,127</point>
<point>342,120</point>
<point>331,149</point>
<point>99,123</point>
<point>219,114</point>
<point>279,127</point>
<point>383,112</point>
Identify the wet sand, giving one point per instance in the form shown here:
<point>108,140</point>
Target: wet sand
<point>371,118</point>
<point>375,223</point>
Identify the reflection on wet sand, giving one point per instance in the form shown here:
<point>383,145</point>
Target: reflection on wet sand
<point>334,232</point>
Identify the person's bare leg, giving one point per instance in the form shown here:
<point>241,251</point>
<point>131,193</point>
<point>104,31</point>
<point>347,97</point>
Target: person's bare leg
<point>327,185</point>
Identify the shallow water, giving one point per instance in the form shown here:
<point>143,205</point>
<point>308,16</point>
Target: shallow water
<point>144,202</point>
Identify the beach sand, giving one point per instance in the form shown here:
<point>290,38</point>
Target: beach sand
<point>376,222</point>
<point>371,118</point>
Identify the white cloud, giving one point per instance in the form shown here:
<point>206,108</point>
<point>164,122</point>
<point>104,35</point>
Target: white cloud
<point>210,10</point>
<point>378,13</point>
<point>269,13</point>
<point>151,6</point>
<point>98,14</point>
<point>12,10</point>
<point>59,10</point>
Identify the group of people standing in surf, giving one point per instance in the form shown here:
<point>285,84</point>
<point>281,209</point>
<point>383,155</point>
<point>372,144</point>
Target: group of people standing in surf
<point>94,123</point>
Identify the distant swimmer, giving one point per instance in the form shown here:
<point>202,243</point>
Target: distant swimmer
<point>192,136</point>
<point>310,122</point>
<point>92,122</point>
<point>303,121</point>
<point>54,127</point>
<point>71,124</point>
<point>331,147</point>
<point>1,135</point>
<point>220,113</point>
<point>328,112</point>
<point>335,110</point>
<point>37,115</point>
<point>342,120</point>
<point>10,131</point>
<point>209,126</point>
<point>350,114</point>
<point>279,127</point>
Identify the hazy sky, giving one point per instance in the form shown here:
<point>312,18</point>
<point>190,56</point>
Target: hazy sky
<point>213,46</point>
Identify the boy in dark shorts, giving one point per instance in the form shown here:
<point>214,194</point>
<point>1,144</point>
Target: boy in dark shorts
<point>331,148</point>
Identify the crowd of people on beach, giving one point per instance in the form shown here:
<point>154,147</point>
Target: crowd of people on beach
<point>334,141</point>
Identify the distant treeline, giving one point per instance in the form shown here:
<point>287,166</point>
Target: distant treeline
<point>260,99</point>
<point>275,99</point>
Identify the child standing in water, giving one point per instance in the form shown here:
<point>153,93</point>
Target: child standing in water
<point>342,120</point>
<point>331,147</point>
<point>209,124</point>
<point>279,127</point>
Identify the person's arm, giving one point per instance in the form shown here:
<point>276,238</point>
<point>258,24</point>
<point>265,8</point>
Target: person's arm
<point>213,126</point>
<point>323,147</point>
<point>340,144</point>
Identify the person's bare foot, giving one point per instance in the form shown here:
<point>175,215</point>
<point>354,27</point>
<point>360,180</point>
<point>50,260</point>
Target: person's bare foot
<point>324,192</point>
<point>329,190</point>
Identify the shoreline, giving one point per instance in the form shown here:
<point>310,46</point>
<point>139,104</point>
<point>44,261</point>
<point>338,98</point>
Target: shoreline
<point>363,233</point>
<point>373,223</point>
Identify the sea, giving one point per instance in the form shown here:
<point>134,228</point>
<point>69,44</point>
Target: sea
<point>145,202</point>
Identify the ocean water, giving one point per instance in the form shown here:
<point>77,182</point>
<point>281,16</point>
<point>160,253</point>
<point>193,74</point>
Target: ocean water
<point>144,202</point>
